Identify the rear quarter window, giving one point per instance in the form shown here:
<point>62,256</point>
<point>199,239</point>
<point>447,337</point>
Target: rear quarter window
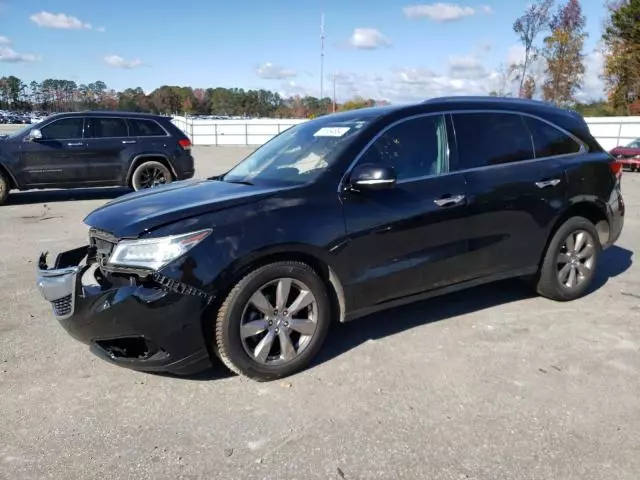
<point>146,128</point>
<point>549,141</point>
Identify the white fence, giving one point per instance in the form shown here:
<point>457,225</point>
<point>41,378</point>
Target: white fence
<point>233,132</point>
<point>612,132</point>
<point>609,131</point>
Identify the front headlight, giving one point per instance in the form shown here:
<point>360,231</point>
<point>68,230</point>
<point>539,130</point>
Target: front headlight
<point>155,253</point>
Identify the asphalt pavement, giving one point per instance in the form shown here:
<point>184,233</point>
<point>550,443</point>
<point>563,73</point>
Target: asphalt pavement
<point>491,383</point>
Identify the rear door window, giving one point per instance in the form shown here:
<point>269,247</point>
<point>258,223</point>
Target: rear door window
<point>107,127</point>
<point>485,139</point>
<point>146,128</point>
<point>549,141</point>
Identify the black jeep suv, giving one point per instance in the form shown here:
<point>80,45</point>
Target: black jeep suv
<point>94,149</point>
<point>333,219</point>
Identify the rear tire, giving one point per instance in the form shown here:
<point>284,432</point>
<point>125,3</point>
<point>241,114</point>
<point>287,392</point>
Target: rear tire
<point>5,186</point>
<point>261,331</point>
<point>570,262</point>
<point>150,174</point>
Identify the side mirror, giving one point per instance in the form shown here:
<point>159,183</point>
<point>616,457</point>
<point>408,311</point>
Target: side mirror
<point>34,135</point>
<point>369,176</point>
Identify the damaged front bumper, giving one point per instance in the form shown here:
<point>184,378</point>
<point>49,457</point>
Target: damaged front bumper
<point>150,324</point>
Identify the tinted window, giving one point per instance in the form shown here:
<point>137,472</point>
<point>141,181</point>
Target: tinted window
<point>64,129</point>
<point>107,127</point>
<point>145,128</point>
<point>550,141</point>
<point>491,139</point>
<point>414,148</point>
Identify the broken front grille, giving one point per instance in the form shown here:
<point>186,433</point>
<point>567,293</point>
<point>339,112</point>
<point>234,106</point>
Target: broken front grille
<point>62,306</point>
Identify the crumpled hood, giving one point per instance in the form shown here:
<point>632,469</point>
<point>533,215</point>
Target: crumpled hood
<point>134,213</point>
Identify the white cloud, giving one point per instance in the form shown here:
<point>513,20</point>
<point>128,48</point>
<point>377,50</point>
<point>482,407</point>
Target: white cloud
<point>515,55</point>
<point>101,29</point>
<point>463,75</point>
<point>439,12</point>
<point>118,62</point>
<point>487,9</point>
<point>269,71</point>
<point>4,40</point>
<point>368,39</point>
<point>9,55</point>
<point>414,76</point>
<point>467,66</point>
<point>593,87</point>
<point>59,21</point>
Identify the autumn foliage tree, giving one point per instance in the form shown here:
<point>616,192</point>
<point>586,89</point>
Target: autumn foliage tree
<point>563,53</point>
<point>622,56</point>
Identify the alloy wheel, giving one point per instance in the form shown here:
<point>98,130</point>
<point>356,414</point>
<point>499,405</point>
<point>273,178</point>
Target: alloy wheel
<point>152,177</point>
<point>576,259</point>
<point>279,321</point>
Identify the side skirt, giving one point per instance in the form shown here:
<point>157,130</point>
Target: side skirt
<point>440,291</point>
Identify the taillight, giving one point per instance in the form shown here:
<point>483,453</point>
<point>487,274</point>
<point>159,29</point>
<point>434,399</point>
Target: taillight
<point>185,143</point>
<point>616,168</point>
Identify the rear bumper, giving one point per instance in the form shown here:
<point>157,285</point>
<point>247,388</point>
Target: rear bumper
<point>615,217</point>
<point>139,327</point>
<point>185,166</point>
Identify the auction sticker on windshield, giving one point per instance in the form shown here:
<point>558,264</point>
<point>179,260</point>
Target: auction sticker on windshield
<point>331,132</point>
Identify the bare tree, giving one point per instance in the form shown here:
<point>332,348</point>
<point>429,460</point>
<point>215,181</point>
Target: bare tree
<point>505,76</point>
<point>533,22</point>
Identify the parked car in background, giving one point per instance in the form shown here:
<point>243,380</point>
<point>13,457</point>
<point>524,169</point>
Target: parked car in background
<point>95,149</point>
<point>629,155</point>
<point>333,219</point>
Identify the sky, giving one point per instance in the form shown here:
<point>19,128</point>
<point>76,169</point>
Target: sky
<point>397,50</point>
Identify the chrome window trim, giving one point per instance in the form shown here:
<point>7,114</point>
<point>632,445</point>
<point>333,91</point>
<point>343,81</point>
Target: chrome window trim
<point>85,119</point>
<point>583,148</point>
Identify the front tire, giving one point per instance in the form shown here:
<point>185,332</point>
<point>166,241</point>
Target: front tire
<point>5,186</point>
<point>150,174</point>
<point>274,321</point>
<point>570,262</point>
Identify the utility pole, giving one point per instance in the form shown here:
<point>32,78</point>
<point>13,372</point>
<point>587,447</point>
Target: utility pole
<point>322,37</point>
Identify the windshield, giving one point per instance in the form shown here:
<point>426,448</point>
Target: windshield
<point>634,144</point>
<point>300,153</point>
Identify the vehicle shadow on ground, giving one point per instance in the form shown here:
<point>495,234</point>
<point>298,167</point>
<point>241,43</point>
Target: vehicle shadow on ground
<point>344,337</point>
<point>54,196</point>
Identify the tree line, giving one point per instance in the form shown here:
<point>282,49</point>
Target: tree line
<point>54,95</point>
<point>552,69</point>
<point>553,64</point>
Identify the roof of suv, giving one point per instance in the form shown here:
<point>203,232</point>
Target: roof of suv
<point>463,103</point>
<point>109,113</point>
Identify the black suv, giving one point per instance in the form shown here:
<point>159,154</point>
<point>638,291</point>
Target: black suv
<point>94,149</point>
<point>333,219</point>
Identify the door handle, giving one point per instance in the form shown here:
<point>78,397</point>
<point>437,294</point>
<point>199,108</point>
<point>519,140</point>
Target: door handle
<point>548,183</point>
<point>75,144</point>
<point>128,141</point>
<point>444,202</point>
